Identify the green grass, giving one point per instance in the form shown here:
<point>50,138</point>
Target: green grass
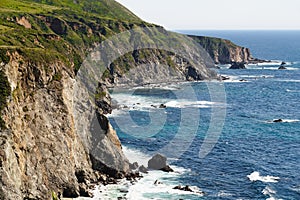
<point>24,7</point>
<point>105,18</point>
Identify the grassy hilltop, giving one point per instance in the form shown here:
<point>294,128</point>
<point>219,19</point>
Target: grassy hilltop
<point>45,30</point>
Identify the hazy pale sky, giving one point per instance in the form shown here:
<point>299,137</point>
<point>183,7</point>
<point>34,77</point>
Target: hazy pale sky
<point>218,14</point>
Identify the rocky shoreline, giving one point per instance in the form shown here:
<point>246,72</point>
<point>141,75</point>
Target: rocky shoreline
<point>55,138</point>
<point>121,187</point>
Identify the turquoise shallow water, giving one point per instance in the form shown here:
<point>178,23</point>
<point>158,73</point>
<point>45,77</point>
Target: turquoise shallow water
<point>253,158</point>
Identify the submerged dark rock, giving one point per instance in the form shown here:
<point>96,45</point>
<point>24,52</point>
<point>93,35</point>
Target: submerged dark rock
<point>237,65</point>
<point>283,63</point>
<point>282,67</point>
<point>167,169</point>
<point>143,169</point>
<point>224,78</point>
<point>277,120</point>
<point>133,166</point>
<point>162,106</point>
<point>185,188</point>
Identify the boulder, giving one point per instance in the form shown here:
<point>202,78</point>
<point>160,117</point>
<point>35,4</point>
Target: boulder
<point>143,169</point>
<point>157,162</point>
<point>133,166</point>
<point>238,65</point>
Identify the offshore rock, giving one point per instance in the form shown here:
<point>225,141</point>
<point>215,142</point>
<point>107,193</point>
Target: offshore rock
<point>133,166</point>
<point>157,162</point>
<point>167,169</point>
<point>277,120</point>
<point>236,65</point>
<point>282,67</point>
<point>143,169</point>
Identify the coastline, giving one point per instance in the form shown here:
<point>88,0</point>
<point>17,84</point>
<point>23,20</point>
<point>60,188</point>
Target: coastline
<point>125,189</point>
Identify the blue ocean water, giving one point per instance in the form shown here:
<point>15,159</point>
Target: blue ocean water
<point>253,158</point>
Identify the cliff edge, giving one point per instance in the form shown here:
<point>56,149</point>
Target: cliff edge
<point>55,137</point>
<point>54,134</point>
<point>224,51</point>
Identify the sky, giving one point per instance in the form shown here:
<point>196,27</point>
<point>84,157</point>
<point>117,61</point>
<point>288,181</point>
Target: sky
<point>218,14</point>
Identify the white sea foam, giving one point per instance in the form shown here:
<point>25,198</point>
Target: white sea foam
<point>294,91</point>
<point>289,80</point>
<point>256,77</point>
<point>272,63</point>
<point>162,86</point>
<point>234,79</point>
<point>268,191</point>
<point>127,101</point>
<point>167,181</point>
<point>284,121</point>
<point>136,156</point>
<point>108,192</point>
<point>193,104</point>
<point>272,68</point>
<point>290,120</point>
<point>146,185</point>
<point>255,176</point>
<point>224,194</point>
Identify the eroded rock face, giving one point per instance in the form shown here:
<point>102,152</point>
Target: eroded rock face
<point>24,22</point>
<point>224,51</point>
<point>42,150</point>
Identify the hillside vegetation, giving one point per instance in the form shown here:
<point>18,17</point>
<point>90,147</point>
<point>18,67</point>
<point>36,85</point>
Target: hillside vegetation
<point>48,30</point>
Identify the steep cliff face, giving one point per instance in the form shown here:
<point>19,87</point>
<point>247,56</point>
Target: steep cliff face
<point>224,51</point>
<point>49,142</point>
<point>156,65</point>
<point>41,150</point>
<point>55,136</point>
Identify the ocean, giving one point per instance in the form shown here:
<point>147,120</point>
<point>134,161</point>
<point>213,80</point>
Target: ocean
<point>219,137</point>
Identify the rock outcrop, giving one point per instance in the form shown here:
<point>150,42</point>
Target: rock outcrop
<point>224,51</point>
<point>54,136</point>
<point>157,162</point>
<point>237,65</point>
<point>41,149</point>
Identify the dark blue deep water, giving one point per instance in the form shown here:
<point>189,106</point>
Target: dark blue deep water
<point>253,158</point>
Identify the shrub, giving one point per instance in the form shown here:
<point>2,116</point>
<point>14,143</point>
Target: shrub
<point>4,93</point>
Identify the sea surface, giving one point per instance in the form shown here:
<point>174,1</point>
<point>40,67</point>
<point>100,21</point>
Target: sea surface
<point>249,156</point>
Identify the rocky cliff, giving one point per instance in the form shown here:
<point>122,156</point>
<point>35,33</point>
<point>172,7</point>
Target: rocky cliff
<point>54,134</point>
<point>224,51</point>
